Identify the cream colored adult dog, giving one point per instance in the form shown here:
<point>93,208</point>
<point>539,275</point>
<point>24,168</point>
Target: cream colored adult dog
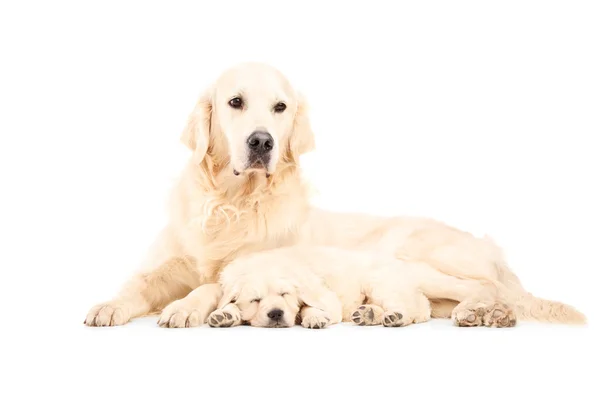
<point>318,286</point>
<point>242,192</point>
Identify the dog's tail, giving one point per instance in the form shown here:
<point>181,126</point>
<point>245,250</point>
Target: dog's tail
<point>531,308</point>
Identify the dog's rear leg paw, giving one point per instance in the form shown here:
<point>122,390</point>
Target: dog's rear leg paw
<point>484,313</point>
<point>394,319</point>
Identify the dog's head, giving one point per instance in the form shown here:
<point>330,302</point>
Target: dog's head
<point>251,119</point>
<point>268,296</point>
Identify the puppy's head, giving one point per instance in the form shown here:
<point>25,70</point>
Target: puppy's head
<point>268,297</point>
<point>263,302</point>
<point>250,120</point>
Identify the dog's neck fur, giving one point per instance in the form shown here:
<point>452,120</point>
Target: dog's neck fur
<point>214,192</point>
<point>232,215</point>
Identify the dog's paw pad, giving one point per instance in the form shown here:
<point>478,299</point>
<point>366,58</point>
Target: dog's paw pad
<point>221,319</point>
<point>364,315</point>
<point>500,316</point>
<point>393,319</point>
<point>497,315</point>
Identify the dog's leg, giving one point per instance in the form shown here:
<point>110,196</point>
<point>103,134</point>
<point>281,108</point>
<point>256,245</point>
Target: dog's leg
<point>480,302</point>
<point>322,307</point>
<point>314,318</point>
<point>403,304</point>
<point>193,309</point>
<point>411,308</point>
<point>442,308</point>
<point>147,292</point>
<point>225,317</point>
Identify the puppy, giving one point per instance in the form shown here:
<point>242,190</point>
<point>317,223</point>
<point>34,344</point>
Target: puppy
<point>320,286</point>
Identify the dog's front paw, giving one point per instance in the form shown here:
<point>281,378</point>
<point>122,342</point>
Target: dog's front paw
<point>177,315</point>
<point>316,322</point>
<point>107,314</point>
<point>223,319</point>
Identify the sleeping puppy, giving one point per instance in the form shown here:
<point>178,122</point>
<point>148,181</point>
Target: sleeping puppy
<point>319,286</point>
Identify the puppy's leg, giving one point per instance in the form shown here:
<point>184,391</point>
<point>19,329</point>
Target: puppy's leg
<point>403,304</point>
<point>225,317</point>
<point>193,309</point>
<point>314,318</point>
<point>368,314</point>
<point>412,308</point>
<point>147,292</point>
<point>322,307</point>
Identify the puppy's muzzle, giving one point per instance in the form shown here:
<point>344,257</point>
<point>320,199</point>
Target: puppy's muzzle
<point>260,144</point>
<point>275,315</point>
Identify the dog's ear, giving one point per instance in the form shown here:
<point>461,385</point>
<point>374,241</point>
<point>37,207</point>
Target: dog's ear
<point>302,138</point>
<point>197,132</point>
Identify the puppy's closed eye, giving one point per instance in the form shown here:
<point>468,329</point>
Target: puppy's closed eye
<point>255,300</point>
<point>284,294</point>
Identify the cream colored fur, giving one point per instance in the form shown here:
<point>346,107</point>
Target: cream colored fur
<point>329,285</point>
<point>217,217</point>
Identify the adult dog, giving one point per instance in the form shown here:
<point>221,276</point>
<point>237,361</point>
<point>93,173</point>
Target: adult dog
<point>242,192</point>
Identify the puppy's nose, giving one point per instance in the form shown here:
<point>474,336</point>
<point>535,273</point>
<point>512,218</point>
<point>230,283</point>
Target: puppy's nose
<point>260,142</point>
<point>275,314</point>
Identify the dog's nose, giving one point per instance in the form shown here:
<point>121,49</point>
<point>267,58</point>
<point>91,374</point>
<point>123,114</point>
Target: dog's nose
<point>275,314</point>
<point>260,142</point>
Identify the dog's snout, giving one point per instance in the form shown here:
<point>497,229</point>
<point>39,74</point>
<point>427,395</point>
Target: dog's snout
<point>260,142</point>
<point>275,314</point>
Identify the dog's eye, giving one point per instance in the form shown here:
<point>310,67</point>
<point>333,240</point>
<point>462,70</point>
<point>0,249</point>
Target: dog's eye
<point>279,107</point>
<point>236,103</point>
<point>283,294</point>
<point>254,300</point>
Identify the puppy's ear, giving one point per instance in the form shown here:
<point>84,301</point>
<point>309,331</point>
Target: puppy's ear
<point>302,139</point>
<point>197,133</point>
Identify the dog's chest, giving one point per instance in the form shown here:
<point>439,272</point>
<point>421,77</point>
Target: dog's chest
<point>233,230</point>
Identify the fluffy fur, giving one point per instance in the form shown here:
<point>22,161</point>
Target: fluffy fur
<point>217,217</point>
<point>327,285</point>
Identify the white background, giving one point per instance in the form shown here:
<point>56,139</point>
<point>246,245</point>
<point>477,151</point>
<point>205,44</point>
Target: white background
<point>482,114</point>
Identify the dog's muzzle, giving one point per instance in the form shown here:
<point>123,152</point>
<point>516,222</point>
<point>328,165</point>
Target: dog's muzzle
<point>260,144</point>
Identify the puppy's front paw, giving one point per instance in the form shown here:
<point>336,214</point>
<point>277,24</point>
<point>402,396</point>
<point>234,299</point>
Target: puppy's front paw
<point>177,315</point>
<point>223,319</point>
<point>107,314</point>
<point>316,322</point>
